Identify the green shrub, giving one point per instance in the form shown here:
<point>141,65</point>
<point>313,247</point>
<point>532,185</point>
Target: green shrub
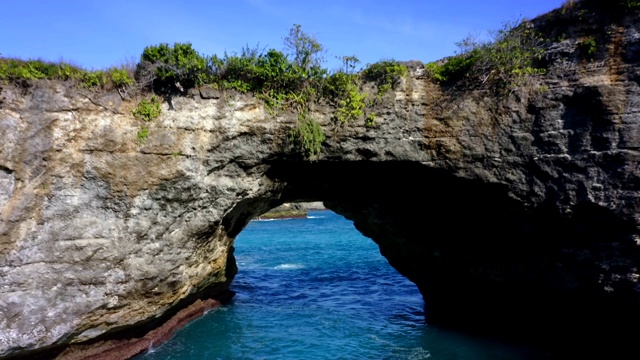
<point>120,77</point>
<point>273,101</point>
<point>385,74</point>
<point>14,69</point>
<point>274,72</point>
<point>172,67</point>
<point>280,83</point>
<point>148,110</point>
<point>276,80</point>
<point>631,4</point>
<point>505,61</point>
<point>452,69</point>
<point>94,79</point>
<point>513,54</point>
<point>336,86</point>
<point>36,69</point>
<point>307,137</point>
<point>343,91</point>
<point>351,106</point>
<point>17,69</point>
<point>234,71</point>
<point>65,71</point>
<point>588,47</point>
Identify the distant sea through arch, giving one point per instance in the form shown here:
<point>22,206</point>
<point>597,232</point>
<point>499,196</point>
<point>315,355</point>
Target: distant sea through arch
<point>315,288</point>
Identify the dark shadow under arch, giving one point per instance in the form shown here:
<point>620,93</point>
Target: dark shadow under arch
<point>483,261</point>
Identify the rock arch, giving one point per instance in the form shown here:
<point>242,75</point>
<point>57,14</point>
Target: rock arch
<point>493,205</point>
<point>484,261</point>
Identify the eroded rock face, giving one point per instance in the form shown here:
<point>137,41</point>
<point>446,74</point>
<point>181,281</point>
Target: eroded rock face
<point>98,232</point>
<point>483,199</point>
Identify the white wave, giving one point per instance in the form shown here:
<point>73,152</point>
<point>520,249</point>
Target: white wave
<point>316,217</point>
<point>375,338</point>
<point>418,354</point>
<point>289,267</point>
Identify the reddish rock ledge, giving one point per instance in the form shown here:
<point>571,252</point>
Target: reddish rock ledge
<point>128,348</point>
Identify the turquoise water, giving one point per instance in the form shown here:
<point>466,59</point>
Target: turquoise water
<point>316,288</point>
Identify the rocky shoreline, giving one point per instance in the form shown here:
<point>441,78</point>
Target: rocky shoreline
<point>291,210</point>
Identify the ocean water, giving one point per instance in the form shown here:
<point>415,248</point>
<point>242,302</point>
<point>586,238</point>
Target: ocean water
<point>316,288</point>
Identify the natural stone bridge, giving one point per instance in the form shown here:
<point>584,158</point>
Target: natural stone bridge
<point>508,211</point>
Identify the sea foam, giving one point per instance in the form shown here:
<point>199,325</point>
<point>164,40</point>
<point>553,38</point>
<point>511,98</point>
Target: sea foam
<point>289,267</point>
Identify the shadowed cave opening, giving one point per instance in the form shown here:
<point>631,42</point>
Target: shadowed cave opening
<point>483,261</point>
<point>315,288</point>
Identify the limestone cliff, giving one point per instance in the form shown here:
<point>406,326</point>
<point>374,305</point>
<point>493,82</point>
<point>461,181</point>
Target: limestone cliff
<point>528,198</point>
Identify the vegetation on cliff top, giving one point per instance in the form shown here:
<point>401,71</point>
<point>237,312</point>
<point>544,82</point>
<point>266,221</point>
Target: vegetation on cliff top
<point>614,6</point>
<point>16,70</point>
<point>283,79</point>
<point>504,61</point>
<point>516,50</point>
<point>294,79</point>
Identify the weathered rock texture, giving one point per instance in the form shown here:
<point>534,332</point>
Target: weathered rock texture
<point>508,210</point>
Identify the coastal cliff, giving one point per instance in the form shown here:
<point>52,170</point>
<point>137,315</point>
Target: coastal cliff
<point>529,200</point>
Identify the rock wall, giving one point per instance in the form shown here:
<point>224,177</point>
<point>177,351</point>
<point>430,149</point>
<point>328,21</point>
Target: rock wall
<point>484,199</point>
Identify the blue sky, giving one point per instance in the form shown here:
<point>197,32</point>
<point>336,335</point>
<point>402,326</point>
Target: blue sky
<point>100,33</point>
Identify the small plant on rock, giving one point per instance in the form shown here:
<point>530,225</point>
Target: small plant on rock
<point>148,110</point>
<point>370,121</point>
<point>307,137</point>
<point>142,134</point>
<point>588,47</point>
<point>351,106</point>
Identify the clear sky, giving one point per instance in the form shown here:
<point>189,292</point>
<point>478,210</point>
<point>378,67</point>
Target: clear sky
<point>100,33</point>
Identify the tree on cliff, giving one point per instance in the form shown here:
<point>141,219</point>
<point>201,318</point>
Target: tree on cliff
<point>171,67</point>
<point>305,50</point>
